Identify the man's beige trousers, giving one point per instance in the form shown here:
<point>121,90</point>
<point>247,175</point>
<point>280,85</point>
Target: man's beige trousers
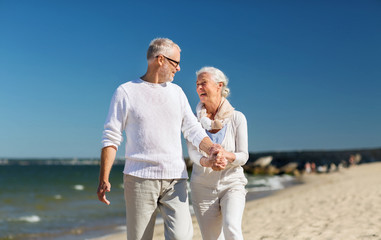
<point>144,197</point>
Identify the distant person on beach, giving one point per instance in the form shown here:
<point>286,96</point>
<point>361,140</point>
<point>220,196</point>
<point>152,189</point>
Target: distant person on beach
<point>218,197</point>
<point>153,112</point>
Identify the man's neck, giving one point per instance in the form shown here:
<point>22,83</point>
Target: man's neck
<point>152,78</point>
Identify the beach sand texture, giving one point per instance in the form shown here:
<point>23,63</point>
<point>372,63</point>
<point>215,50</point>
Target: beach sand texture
<point>343,205</point>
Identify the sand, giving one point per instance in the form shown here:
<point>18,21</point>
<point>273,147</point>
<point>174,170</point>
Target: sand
<point>341,205</point>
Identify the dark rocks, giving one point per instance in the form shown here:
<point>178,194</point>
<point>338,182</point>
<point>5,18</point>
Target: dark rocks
<point>297,162</point>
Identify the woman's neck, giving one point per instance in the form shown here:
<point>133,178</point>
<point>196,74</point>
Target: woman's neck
<point>212,107</point>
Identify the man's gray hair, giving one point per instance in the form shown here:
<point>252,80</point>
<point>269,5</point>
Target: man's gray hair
<point>161,46</point>
<point>217,76</point>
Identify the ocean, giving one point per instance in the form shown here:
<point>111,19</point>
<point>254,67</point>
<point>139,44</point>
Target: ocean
<point>59,201</point>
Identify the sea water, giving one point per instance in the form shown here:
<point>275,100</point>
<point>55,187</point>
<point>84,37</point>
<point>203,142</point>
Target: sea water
<point>60,201</point>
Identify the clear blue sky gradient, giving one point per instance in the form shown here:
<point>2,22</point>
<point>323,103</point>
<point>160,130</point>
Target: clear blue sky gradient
<point>307,74</point>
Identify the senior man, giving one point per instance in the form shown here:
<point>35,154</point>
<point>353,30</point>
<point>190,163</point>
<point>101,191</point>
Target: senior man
<point>153,112</point>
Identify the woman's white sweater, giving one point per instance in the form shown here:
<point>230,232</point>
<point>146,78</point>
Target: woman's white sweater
<point>235,141</point>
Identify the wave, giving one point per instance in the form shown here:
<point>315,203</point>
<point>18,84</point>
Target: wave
<point>29,219</point>
<point>79,187</point>
<point>267,183</point>
<point>57,197</point>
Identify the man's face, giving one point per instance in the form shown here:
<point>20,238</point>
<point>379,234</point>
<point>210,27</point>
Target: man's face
<point>170,67</point>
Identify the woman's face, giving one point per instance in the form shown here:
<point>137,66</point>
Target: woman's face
<point>208,90</point>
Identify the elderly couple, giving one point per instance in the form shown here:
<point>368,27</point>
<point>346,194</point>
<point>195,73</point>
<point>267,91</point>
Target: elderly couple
<point>153,112</point>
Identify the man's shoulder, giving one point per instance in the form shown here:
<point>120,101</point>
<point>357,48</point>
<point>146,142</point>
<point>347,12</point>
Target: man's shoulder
<point>125,86</point>
<point>124,89</point>
<point>130,83</point>
<point>175,87</point>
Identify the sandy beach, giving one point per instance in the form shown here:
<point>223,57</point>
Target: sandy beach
<point>339,205</point>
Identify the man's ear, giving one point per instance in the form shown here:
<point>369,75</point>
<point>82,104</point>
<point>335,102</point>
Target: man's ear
<point>160,60</point>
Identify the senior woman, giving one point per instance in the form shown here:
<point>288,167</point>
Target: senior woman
<point>218,196</point>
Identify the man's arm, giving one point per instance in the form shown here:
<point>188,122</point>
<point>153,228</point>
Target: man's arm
<point>193,132</point>
<point>216,160</point>
<point>206,145</point>
<point>107,159</point>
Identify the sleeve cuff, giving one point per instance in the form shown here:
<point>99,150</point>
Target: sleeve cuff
<point>198,139</point>
<point>108,144</point>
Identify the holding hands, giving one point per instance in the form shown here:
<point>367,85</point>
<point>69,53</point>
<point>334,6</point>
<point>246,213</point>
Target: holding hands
<point>217,159</point>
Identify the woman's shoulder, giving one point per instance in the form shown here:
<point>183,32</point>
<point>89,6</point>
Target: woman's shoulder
<point>238,115</point>
<point>238,118</point>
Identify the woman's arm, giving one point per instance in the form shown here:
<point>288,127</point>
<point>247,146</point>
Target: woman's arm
<point>241,153</point>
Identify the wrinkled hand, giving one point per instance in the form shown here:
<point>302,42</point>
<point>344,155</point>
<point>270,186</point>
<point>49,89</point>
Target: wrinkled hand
<point>215,148</point>
<point>101,192</point>
<point>217,157</point>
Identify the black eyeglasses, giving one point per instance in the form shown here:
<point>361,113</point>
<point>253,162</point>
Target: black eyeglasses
<point>169,59</point>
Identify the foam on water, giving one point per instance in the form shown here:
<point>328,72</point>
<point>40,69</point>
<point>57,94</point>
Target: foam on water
<point>79,187</point>
<point>57,197</point>
<point>121,228</point>
<point>267,183</point>
<point>30,219</point>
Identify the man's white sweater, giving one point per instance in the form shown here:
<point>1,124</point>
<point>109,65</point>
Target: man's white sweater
<point>153,117</point>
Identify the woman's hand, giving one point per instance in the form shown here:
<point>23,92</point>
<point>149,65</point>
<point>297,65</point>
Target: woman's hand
<point>216,159</point>
<point>219,161</point>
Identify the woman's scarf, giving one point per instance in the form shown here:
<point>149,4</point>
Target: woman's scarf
<point>223,114</point>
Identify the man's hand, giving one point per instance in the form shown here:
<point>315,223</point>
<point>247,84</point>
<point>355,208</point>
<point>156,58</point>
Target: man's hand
<point>102,189</point>
<point>107,159</point>
<point>217,157</point>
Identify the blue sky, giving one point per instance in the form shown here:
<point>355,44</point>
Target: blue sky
<point>306,74</point>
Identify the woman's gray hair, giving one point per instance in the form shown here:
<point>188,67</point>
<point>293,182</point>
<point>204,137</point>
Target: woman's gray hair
<point>161,46</point>
<point>217,76</point>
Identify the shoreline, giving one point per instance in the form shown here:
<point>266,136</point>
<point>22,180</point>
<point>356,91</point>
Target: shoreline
<point>338,205</point>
